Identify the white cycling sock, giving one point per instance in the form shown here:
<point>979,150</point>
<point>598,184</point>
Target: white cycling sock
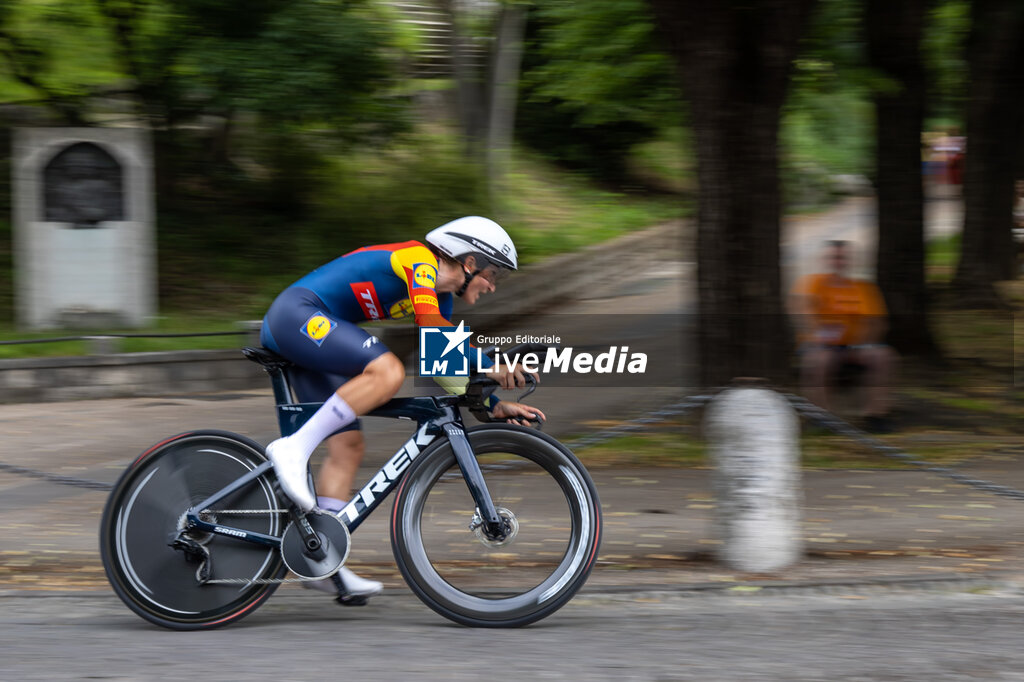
<point>331,504</point>
<point>334,414</point>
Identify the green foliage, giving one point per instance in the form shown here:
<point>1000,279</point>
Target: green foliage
<point>828,119</point>
<point>943,252</point>
<point>594,84</point>
<point>944,43</point>
<point>293,62</point>
<point>305,62</point>
<point>393,194</point>
<point>52,50</point>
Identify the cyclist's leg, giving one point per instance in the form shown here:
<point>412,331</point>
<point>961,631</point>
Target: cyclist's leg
<point>375,385</point>
<point>338,471</point>
<point>315,340</point>
<point>337,474</point>
<point>880,361</point>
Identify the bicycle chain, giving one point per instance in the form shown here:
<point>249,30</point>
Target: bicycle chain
<point>251,581</point>
<point>259,581</point>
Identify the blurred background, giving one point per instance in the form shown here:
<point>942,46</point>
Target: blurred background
<point>682,161</point>
<point>287,133</point>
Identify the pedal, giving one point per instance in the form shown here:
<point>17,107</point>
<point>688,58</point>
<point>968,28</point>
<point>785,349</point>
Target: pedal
<point>352,600</point>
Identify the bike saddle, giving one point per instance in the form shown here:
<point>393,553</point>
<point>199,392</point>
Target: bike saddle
<point>266,358</point>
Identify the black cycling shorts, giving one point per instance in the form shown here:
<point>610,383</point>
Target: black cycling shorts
<point>327,350</point>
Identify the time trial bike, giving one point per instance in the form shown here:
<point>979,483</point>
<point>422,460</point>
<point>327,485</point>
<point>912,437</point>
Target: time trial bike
<point>497,525</point>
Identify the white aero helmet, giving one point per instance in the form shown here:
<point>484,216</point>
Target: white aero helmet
<point>477,236</point>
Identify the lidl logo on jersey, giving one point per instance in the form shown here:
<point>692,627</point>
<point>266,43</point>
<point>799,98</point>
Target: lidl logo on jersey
<point>424,275</point>
<point>444,351</point>
<point>318,327</point>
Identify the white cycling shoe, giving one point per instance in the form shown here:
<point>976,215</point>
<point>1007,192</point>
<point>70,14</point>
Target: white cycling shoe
<point>356,586</point>
<point>290,468</point>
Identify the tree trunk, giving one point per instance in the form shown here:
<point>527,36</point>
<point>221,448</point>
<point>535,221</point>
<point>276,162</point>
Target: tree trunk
<point>734,60</point>
<point>894,29</point>
<point>507,56</point>
<point>469,86</point>
<point>994,120</point>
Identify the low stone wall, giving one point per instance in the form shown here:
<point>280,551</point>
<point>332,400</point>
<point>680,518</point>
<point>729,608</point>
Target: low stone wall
<point>127,375</point>
<point>122,375</point>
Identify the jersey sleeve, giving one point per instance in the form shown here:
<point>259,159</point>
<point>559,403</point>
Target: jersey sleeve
<point>417,267</point>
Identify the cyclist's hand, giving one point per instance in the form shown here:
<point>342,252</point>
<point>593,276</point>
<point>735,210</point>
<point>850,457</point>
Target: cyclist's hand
<point>516,413</point>
<point>512,377</point>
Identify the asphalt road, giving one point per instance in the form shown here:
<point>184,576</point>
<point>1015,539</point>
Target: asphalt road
<point>883,637</point>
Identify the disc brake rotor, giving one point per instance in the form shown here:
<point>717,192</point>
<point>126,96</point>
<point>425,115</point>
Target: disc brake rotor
<point>509,521</point>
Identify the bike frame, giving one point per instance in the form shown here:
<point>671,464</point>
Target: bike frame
<point>436,418</point>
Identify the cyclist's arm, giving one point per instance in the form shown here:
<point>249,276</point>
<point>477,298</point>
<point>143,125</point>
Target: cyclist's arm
<point>418,268</point>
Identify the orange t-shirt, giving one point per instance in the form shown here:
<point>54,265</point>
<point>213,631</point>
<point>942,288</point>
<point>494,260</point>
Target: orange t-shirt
<point>840,308</point>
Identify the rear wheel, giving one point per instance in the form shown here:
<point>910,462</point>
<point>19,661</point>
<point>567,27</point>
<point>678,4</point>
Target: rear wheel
<point>146,511</point>
<point>553,529</point>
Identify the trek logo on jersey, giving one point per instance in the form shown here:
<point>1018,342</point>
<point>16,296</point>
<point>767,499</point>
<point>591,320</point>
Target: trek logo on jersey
<point>424,275</point>
<point>366,295</point>
<point>444,351</point>
<point>318,327</point>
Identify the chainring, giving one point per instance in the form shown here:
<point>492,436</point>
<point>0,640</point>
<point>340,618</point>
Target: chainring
<point>334,535</point>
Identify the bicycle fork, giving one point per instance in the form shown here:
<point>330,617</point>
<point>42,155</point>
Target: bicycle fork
<point>494,527</point>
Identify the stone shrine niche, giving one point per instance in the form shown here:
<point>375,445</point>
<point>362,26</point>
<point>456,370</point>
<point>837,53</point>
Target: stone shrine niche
<point>84,230</point>
<point>83,185</point>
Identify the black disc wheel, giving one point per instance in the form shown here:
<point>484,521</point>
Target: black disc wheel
<point>146,512</point>
<point>552,529</point>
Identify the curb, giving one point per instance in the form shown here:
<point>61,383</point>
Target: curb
<point>941,582</point>
<point>877,585</point>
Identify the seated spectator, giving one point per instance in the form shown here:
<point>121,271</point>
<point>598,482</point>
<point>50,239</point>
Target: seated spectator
<point>843,321</point>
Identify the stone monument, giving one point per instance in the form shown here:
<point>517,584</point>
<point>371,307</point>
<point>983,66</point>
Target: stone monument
<point>84,235</point>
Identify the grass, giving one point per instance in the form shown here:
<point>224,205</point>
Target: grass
<point>551,211</point>
<point>666,445</point>
<point>679,444</point>
<point>170,324</point>
<point>665,162</point>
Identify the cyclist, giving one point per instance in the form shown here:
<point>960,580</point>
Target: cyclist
<point>313,324</point>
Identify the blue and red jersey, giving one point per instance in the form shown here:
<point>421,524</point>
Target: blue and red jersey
<point>388,281</point>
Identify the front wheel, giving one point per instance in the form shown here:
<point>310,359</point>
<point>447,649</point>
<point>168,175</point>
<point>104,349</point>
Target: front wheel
<point>552,514</point>
<point>146,511</point>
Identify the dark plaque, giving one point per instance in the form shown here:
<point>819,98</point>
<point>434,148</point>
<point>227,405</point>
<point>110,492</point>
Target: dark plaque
<point>83,186</point>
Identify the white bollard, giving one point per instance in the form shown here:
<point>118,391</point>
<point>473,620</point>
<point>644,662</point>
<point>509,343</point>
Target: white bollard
<point>753,438</point>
